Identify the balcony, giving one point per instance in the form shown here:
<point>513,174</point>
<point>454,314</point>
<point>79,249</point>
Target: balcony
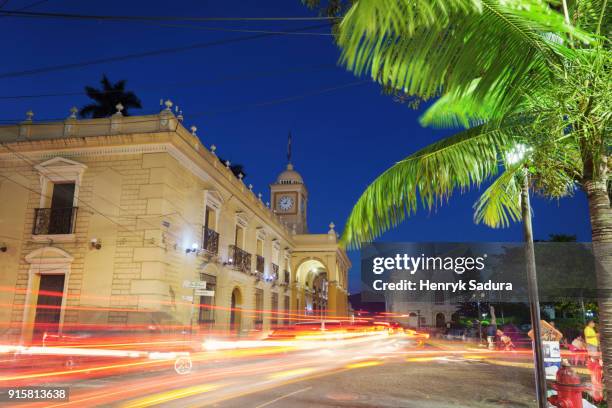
<point>210,242</point>
<point>239,259</point>
<point>274,274</point>
<point>54,221</point>
<point>260,264</point>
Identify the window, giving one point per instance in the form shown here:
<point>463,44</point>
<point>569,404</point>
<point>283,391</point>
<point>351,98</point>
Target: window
<point>275,252</point>
<point>258,309</point>
<point>286,273</point>
<point>210,218</point>
<point>239,237</point>
<point>210,236</point>
<point>260,261</point>
<point>58,216</point>
<point>274,319</point>
<point>212,204</point>
<point>287,311</point>
<point>206,314</point>
<point>242,224</point>
<point>60,180</point>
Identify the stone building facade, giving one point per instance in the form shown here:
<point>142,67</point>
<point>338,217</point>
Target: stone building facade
<point>132,222</point>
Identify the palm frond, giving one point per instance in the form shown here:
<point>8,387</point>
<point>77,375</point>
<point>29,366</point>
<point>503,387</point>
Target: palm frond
<point>454,110</point>
<point>88,110</point>
<point>423,47</point>
<point>428,177</point>
<point>500,204</point>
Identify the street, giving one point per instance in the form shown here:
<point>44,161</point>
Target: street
<point>377,370</point>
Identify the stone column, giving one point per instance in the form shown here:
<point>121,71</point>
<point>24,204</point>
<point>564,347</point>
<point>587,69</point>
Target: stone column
<point>332,299</point>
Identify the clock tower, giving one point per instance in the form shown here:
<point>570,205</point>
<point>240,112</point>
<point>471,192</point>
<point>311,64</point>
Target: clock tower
<point>289,199</point>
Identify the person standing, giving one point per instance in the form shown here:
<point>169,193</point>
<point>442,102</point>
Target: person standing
<point>491,332</point>
<point>491,329</point>
<point>591,338</point>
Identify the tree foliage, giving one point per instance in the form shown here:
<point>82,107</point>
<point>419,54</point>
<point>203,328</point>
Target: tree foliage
<point>106,99</point>
<point>513,73</point>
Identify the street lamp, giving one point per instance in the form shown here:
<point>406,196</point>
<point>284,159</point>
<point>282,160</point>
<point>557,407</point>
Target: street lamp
<point>514,156</point>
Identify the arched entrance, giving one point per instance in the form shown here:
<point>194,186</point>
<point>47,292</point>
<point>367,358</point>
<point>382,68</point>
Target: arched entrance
<point>440,320</point>
<point>313,278</point>
<point>236,312</point>
<point>319,295</point>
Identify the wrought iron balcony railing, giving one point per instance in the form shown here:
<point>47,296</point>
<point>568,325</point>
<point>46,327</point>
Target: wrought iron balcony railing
<point>52,221</point>
<point>274,274</point>
<point>260,264</point>
<point>240,259</point>
<point>210,241</point>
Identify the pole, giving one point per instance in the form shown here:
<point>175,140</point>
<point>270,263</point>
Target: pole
<point>534,302</point>
<point>479,324</point>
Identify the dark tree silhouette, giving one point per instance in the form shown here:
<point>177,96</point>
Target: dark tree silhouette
<point>107,97</point>
<point>235,168</point>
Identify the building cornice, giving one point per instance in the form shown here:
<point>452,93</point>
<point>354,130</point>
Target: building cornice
<point>180,144</point>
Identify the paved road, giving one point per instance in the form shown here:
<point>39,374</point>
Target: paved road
<point>436,384</point>
<point>374,371</point>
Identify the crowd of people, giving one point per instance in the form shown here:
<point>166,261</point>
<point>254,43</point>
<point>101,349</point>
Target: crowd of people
<point>585,344</point>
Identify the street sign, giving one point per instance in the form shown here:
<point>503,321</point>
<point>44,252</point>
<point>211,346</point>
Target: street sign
<point>194,284</point>
<point>199,292</point>
<point>187,298</point>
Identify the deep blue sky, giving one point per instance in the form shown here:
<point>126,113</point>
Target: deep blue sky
<point>342,139</point>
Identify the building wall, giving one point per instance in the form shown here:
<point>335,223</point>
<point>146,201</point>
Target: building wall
<point>145,204</point>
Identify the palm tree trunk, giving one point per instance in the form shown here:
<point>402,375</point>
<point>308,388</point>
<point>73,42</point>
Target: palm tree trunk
<point>534,299</point>
<point>601,231</point>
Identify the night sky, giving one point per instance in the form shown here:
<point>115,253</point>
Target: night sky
<point>245,97</point>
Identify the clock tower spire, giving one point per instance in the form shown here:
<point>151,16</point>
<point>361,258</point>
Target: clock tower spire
<point>289,196</point>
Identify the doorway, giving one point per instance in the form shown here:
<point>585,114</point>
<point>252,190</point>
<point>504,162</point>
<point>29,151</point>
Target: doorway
<point>236,312</point>
<point>62,203</point>
<point>48,306</point>
<point>440,320</point>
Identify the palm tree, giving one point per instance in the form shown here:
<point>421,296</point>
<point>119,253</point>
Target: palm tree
<point>237,168</point>
<point>511,73</point>
<point>107,98</point>
<point>513,65</point>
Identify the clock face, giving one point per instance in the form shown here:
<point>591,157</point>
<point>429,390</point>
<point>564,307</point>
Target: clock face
<point>285,203</point>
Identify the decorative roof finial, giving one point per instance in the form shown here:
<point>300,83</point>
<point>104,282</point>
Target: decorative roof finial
<point>213,148</point>
<point>168,104</point>
<point>331,228</point>
<point>73,112</point>
<point>194,129</point>
<point>119,108</point>
<point>29,115</point>
<point>227,163</point>
<point>251,187</point>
